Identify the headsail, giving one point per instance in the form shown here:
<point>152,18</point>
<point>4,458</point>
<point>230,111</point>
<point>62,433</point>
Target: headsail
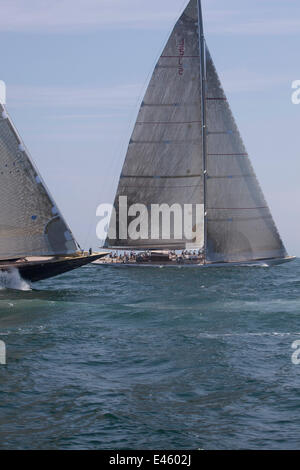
<point>163,163</point>
<point>239,223</point>
<point>186,149</point>
<point>30,223</point>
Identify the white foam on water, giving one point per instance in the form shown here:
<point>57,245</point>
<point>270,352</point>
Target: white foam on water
<point>255,265</point>
<point>12,280</point>
<point>263,333</point>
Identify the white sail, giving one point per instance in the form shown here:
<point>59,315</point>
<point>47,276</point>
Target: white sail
<point>186,149</point>
<point>30,223</point>
<point>163,164</point>
<point>239,223</point>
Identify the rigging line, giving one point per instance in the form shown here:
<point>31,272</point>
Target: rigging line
<point>160,177</point>
<point>231,176</point>
<point>202,70</point>
<point>165,142</point>
<point>179,57</point>
<point>105,187</point>
<point>152,105</point>
<point>162,187</point>
<point>172,67</point>
<point>166,123</point>
<point>221,132</point>
<point>241,219</point>
<point>235,208</point>
<point>124,185</point>
<point>227,154</point>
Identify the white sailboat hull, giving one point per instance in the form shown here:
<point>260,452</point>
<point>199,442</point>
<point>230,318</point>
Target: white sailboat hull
<point>256,263</point>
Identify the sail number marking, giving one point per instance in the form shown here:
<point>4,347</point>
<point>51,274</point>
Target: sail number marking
<point>181,50</point>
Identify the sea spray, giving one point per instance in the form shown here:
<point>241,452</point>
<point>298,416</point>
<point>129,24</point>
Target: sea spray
<point>12,280</point>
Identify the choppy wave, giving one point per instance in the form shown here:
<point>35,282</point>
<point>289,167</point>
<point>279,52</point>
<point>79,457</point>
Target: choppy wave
<point>173,359</point>
<point>12,280</point>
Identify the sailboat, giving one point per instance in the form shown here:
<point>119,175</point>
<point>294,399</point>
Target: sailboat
<point>34,237</point>
<point>186,149</point>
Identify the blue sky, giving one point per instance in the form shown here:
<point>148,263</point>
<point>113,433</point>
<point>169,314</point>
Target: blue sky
<point>76,72</point>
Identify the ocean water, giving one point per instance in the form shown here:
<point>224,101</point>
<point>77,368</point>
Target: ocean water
<point>105,358</point>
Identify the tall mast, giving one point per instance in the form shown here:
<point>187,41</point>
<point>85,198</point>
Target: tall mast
<point>203,112</point>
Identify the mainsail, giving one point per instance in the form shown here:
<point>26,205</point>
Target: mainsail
<point>30,223</point>
<point>186,149</point>
<point>163,163</point>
